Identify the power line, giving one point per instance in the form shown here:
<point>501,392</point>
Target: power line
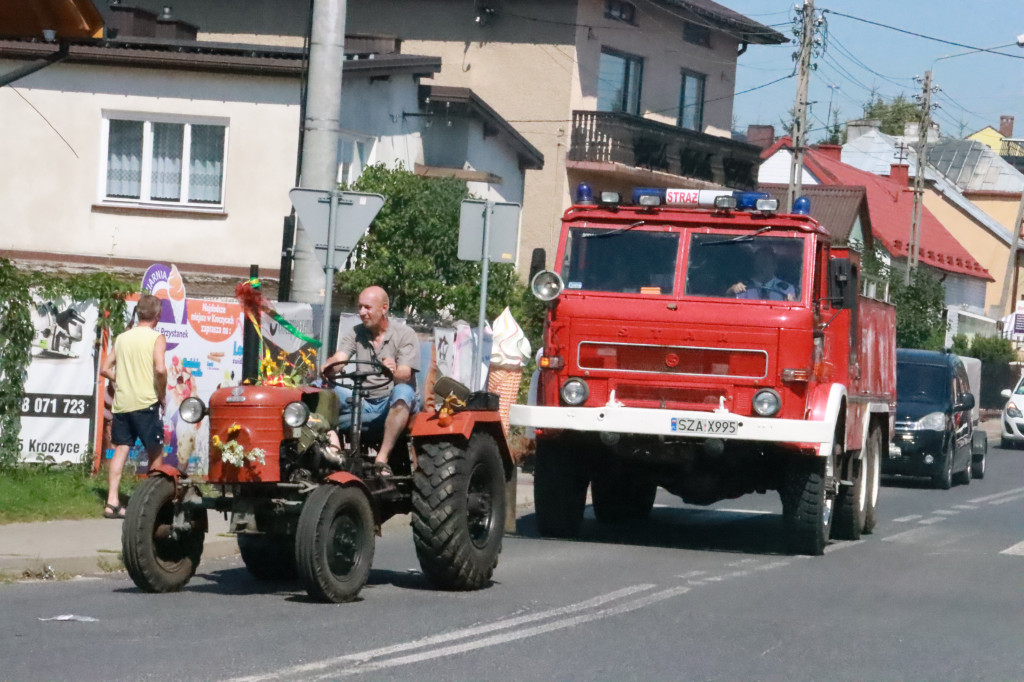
<point>922,35</point>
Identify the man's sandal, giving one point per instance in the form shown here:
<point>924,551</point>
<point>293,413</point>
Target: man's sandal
<point>113,511</point>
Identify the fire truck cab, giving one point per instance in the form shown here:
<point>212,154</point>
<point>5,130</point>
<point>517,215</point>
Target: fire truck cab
<point>702,342</point>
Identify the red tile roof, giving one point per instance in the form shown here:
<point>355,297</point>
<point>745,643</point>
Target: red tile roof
<point>890,206</point>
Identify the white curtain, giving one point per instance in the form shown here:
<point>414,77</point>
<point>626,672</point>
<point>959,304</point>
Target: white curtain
<point>165,179</point>
<point>124,159</point>
<point>206,165</point>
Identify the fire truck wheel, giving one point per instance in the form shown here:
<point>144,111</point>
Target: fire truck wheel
<point>873,462</point>
<point>944,479</point>
<point>806,507</point>
<point>268,557</point>
<point>158,558</point>
<point>851,505</point>
<point>334,543</point>
<point>459,512</point>
<point>622,498</point>
<point>559,490</point>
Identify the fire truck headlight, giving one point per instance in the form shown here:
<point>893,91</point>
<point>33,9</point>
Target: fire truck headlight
<point>296,414</point>
<point>546,285</point>
<point>767,403</point>
<point>575,391</point>
<point>192,410</point>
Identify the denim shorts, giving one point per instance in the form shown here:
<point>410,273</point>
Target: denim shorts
<point>375,410</point>
<point>144,425</point>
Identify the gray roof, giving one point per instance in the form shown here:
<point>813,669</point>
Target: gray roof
<point>726,20</point>
<point>974,167</point>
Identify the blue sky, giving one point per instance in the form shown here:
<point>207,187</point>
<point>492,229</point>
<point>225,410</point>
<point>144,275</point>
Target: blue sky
<point>975,88</point>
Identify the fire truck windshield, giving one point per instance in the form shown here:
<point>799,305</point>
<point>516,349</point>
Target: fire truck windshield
<point>621,261</point>
<point>759,268</point>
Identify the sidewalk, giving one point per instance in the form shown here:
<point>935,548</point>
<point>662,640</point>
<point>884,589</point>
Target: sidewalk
<point>92,546</point>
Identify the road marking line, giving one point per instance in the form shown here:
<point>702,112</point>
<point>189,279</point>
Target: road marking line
<point>691,574</point>
<point>1008,499</point>
<point>946,512</point>
<point>934,519</point>
<point>305,668</point>
<point>500,639</point>
<point>965,507</point>
<point>911,535</point>
<point>996,496</point>
<point>905,519</point>
<point>1015,550</point>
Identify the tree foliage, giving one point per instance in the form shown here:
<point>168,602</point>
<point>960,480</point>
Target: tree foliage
<point>920,305</point>
<point>893,113</point>
<point>411,250</point>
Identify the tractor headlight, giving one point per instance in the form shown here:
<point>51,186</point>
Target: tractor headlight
<point>546,285</point>
<point>767,403</point>
<point>192,410</point>
<point>575,391</point>
<point>296,414</point>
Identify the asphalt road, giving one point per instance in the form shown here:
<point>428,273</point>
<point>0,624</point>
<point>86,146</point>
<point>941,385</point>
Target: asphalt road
<point>695,594</point>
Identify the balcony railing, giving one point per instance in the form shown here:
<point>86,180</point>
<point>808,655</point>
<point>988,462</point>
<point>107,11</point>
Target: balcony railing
<point>1012,152</point>
<point>612,137</point>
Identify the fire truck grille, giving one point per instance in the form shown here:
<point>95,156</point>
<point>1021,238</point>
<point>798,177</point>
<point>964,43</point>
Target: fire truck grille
<point>644,395</point>
<point>689,360</point>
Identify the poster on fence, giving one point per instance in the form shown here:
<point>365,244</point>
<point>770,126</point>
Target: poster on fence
<point>204,352</point>
<point>58,409</point>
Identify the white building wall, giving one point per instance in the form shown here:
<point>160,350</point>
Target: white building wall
<point>776,168</point>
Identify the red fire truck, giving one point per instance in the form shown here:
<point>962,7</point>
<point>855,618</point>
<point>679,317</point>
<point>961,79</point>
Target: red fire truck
<point>702,342</point>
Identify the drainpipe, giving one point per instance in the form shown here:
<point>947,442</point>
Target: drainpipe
<point>60,55</point>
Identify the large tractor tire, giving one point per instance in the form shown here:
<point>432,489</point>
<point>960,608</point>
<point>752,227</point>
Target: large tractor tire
<point>873,479</point>
<point>619,497</point>
<point>268,557</point>
<point>157,557</point>
<point>458,513</point>
<point>560,483</point>
<point>807,507</point>
<point>334,543</point>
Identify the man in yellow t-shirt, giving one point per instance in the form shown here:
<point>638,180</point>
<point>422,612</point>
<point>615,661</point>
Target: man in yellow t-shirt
<point>140,382</point>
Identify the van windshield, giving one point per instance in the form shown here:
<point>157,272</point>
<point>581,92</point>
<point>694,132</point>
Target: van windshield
<point>628,261</point>
<point>921,383</point>
<point>745,266</point>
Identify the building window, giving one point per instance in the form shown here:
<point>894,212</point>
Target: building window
<point>620,11</point>
<point>354,155</point>
<point>697,34</point>
<point>618,82</point>
<point>691,101</point>
<point>164,160</point>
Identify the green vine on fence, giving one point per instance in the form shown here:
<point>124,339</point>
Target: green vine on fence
<point>16,331</point>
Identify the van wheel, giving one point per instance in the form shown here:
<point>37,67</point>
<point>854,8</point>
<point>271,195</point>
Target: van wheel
<point>944,479</point>
<point>979,453</point>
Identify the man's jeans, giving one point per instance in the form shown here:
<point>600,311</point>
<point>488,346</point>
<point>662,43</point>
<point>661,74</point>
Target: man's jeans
<point>375,410</point>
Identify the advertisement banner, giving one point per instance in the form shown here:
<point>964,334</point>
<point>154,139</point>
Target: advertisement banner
<point>57,412</point>
<point>204,352</point>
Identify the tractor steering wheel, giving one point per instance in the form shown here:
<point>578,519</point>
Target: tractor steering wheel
<point>334,374</point>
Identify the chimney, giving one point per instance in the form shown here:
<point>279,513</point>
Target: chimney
<point>830,151</point>
<point>762,136</point>
<point>1006,126</point>
<point>855,129</point>
<point>900,174</point>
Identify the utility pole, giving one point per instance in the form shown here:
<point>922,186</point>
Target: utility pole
<point>1010,279</point>
<point>925,124</point>
<point>321,134</point>
<point>803,68</point>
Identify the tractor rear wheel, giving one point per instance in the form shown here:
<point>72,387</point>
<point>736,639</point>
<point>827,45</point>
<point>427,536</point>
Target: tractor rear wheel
<point>334,543</point>
<point>268,557</point>
<point>161,552</point>
<point>459,511</point>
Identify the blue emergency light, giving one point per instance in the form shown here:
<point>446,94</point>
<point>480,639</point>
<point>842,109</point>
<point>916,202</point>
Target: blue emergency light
<point>802,206</point>
<point>584,193</point>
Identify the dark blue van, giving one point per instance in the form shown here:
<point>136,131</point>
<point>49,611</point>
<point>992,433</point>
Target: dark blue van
<point>934,429</point>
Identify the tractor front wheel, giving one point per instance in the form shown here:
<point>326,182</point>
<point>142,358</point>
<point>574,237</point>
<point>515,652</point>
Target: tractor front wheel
<point>161,539</point>
<point>334,543</point>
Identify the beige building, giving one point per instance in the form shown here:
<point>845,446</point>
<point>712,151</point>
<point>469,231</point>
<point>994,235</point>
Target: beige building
<point>616,93</point>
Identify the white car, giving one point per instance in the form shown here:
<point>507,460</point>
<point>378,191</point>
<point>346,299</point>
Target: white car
<point>1013,416</point>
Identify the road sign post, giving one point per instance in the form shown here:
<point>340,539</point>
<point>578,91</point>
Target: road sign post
<point>488,231</point>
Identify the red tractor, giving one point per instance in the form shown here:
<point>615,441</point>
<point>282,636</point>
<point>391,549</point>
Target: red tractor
<point>302,508</point>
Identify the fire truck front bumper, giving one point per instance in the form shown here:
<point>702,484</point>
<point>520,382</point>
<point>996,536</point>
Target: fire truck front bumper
<point>675,423</point>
